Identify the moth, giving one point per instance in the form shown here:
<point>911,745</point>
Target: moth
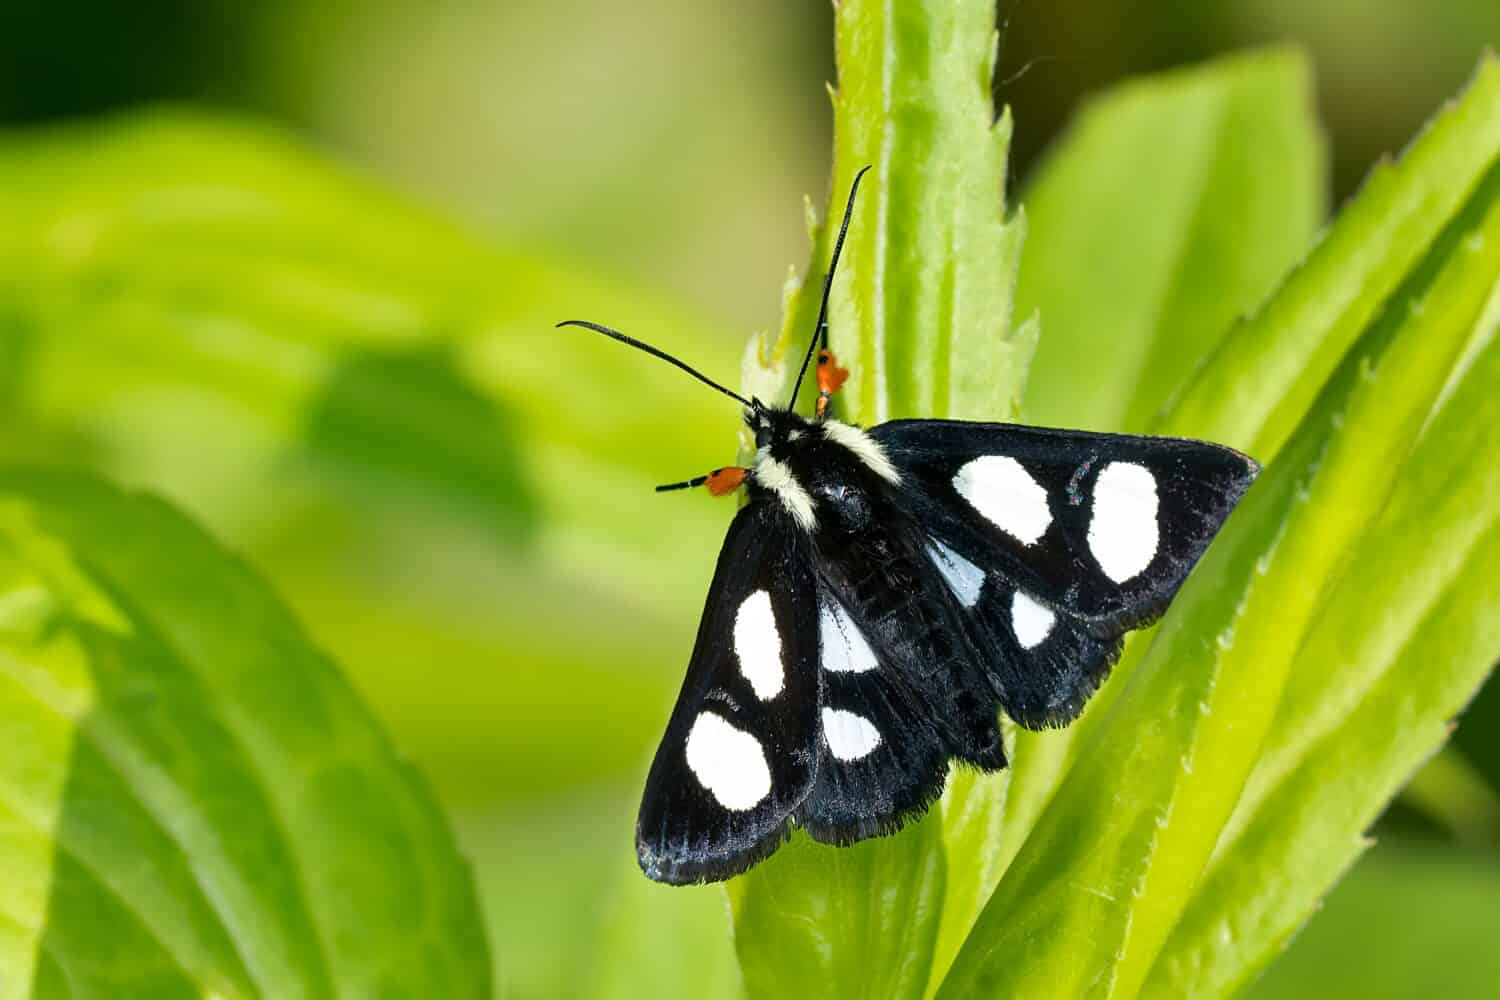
<point>885,592</point>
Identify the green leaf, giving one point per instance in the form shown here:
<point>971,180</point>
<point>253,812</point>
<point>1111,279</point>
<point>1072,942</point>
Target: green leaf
<point>1170,208</point>
<point>570,912</point>
<point>1163,215</point>
<point>193,802</point>
<point>1104,877</point>
<point>1266,373</point>
<point>1410,921</point>
<point>858,921</point>
<point>1452,792</point>
<point>676,941</point>
<point>539,870</point>
<point>973,811</point>
<point>372,403</point>
<point>1400,646</point>
<point>921,315</point>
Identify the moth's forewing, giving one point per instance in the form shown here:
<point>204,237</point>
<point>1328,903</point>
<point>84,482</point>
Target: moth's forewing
<point>1104,527</point>
<point>739,752</point>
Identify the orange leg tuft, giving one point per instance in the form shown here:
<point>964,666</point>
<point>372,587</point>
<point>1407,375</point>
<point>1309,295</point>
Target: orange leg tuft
<point>831,379</point>
<point>722,482</point>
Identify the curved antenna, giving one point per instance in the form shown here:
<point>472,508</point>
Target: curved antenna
<point>822,327</point>
<point>657,352</point>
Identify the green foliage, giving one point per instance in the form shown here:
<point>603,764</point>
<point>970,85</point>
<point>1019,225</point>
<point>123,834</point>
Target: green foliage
<point>1172,207</point>
<point>1143,278</point>
<point>661,941</point>
<point>1345,365</point>
<point>372,405</point>
<point>1403,638</point>
<point>1211,682</point>
<point>192,802</point>
<point>921,311</point>
<point>1446,906</point>
<point>833,918</point>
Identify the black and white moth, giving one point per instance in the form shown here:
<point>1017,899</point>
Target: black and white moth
<point>884,592</point>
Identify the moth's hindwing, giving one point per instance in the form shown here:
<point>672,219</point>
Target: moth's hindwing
<point>1044,662</point>
<point>904,685</point>
<point>739,752</point>
<point>880,756</point>
<point>1101,527</point>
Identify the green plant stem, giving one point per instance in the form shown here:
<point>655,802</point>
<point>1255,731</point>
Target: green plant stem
<point>921,315</point>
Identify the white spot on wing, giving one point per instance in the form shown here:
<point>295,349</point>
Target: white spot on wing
<point>849,736</point>
<point>1003,491</point>
<point>729,762</point>
<point>774,475</point>
<point>758,645</point>
<point>1031,621</point>
<point>966,579</point>
<point>865,448</point>
<point>844,647</point>
<point>1123,532</point>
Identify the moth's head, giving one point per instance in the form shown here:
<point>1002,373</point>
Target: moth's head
<point>773,426</point>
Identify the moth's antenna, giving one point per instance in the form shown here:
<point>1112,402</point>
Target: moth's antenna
<point>821,330</point>
<point>686,484</point>
<point>657,352</point>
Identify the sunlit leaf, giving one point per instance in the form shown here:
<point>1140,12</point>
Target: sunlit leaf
<point>373,403</point>
<point>1163,215</point>
<point>858,921</point>
<point>1410,921</point>
<point>1171,207</point>
<point>1399,647</point>
<point>1266,373</point>
<point>192,802</point>
<point>921,308</point>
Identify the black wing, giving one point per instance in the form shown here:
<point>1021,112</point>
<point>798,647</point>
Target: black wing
<point>739,753</point>
<point>904,686</point>
<point>1100,527</point>
<point>1044,662</point>
<point>1058,542</point>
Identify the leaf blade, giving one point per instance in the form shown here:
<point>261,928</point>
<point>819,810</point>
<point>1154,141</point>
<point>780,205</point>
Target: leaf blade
<point>1452,897</point>
<point>1106,297</point>
<point>1259,382</point>
<point>864,917</point>
<point>364,398</point>
<point>226,796</point>
<point>1403,643</point>
<point>1171,207</point>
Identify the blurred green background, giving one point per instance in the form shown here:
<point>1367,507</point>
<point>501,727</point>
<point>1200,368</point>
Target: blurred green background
<point>439,525</point>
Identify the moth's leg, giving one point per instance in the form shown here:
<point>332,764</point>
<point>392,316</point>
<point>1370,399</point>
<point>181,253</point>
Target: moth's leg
<point>720,482</point>
<point>831,379</point>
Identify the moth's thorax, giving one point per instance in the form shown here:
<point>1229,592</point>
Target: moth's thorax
<point>822,471</point>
